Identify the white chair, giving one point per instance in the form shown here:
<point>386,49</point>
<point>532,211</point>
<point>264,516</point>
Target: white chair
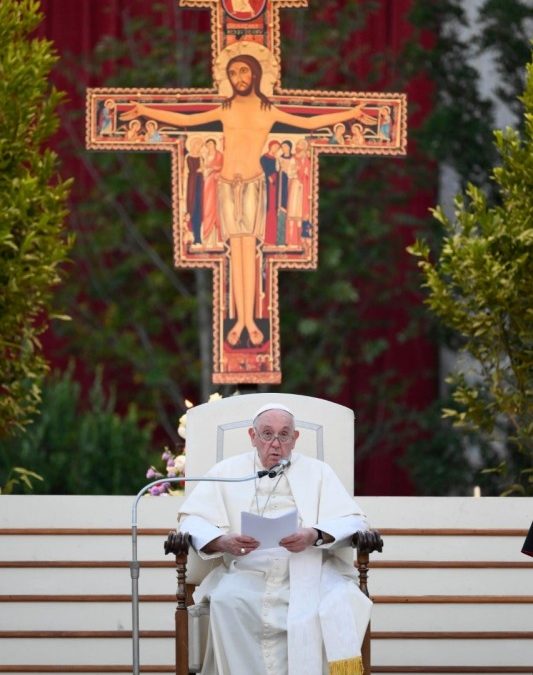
<point>218,430</point>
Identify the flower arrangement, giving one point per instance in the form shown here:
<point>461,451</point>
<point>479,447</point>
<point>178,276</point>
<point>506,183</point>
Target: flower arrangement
<point>174,466</point>
<point>174,462</point>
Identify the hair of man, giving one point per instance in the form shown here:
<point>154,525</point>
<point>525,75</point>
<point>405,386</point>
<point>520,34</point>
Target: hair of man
<point>257,74</point>
<point>286,413</point>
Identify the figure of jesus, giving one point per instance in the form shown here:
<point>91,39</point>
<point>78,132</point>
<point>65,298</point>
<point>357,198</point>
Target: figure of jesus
<point>247,118</point>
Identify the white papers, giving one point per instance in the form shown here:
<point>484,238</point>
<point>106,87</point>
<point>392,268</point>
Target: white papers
<point>269,531</point>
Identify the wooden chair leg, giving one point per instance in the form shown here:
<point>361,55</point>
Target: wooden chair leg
<point>178,544</point>
<point>366,543</point>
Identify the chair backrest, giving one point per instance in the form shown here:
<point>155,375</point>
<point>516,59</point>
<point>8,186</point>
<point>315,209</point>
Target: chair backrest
<point>219,429</point>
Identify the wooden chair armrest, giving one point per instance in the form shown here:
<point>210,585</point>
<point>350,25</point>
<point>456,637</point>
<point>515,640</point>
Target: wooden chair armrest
<point>177,543</point>
<point>367,541</point>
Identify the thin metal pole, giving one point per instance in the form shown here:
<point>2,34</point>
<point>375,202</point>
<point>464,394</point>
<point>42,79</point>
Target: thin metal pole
<point>134,564</point>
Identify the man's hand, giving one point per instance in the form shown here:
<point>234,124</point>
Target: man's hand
<point>235,544</point>
<point>132,114</point>
<point>300,540</point>
<point>358,113</point>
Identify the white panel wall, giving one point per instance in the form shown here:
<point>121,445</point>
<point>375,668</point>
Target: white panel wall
<point>65,584</point>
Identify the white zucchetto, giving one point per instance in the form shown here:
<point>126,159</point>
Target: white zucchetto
<point>272,406</point>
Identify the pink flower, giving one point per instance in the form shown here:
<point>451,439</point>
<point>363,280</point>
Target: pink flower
<point>160,489</point>
<point>153,473</point>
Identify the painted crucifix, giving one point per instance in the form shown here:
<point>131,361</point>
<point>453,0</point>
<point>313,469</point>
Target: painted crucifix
<point>245,171</point>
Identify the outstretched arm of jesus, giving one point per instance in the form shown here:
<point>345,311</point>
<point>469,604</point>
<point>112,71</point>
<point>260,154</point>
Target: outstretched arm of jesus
<point>317,121</point>
<point>173,118</point>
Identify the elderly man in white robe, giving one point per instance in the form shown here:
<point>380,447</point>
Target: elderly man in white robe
<point>291,610</point>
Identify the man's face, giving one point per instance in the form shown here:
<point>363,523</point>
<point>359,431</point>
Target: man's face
<point>196,146</point>
<point>279,424</point>
<point>273,148</point>
<point>240,76</point>
<point>339,130</point>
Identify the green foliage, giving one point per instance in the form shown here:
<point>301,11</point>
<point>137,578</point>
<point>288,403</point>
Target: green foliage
<point>132,310</point>
<point>458,130</point>
<point>442,461</point>
<point>480,286</point>
<point>446,48</point>
<point>506,30</point>
<point>89,449</point>
<point>17,478</point>
<point>32,209</point>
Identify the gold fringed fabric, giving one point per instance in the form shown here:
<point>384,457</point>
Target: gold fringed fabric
<point>347,667</point>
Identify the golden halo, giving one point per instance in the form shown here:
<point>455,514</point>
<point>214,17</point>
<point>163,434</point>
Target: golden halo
<point>266,58</point>
<point>193,140</point>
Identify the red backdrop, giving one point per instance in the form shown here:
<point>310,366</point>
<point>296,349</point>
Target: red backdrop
<point>75,27</point>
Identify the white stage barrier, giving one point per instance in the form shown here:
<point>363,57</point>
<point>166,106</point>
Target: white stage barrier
<point>453,593</point>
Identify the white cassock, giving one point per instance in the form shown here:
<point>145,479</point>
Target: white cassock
<point>273,612</point>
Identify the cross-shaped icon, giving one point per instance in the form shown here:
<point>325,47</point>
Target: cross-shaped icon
<point>245,159</point>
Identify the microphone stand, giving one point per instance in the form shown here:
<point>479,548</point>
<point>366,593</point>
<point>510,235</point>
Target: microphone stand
<point>134,565</point>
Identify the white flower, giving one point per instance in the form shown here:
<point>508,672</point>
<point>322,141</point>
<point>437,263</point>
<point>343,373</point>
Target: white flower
<point>179,463</point>
<point>182,425</point>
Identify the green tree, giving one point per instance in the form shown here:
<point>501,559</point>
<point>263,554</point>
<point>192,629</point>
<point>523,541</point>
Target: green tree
<point>133,311</point>
<point>448,46</point>
<point>457,132</point>
<point>79,447</point>
<point>19,478</point>
<point>480,286</point>
<point>32,209</point>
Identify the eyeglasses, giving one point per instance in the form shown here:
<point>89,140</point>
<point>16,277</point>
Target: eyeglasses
<point>268,436</point>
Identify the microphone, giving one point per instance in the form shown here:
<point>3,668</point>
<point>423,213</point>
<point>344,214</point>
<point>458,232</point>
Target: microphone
<point>277,469</point>
<point>135,565</point>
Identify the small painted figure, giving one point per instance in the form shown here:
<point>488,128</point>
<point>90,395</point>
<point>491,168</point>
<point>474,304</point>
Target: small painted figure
<point>152,135</point>
<point>384,123</point>
<point>195,188</point>
<point>357,138</point>
<point>338,135</point>
<point>269,162</point>
<point>133,132</point>
<point>298,209</point>
<point>213,160</point>
<point>285,160</point>
<point>105,119</point>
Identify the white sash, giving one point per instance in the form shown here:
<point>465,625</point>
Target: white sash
<point>304,637</point>
<point>323,609</point>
